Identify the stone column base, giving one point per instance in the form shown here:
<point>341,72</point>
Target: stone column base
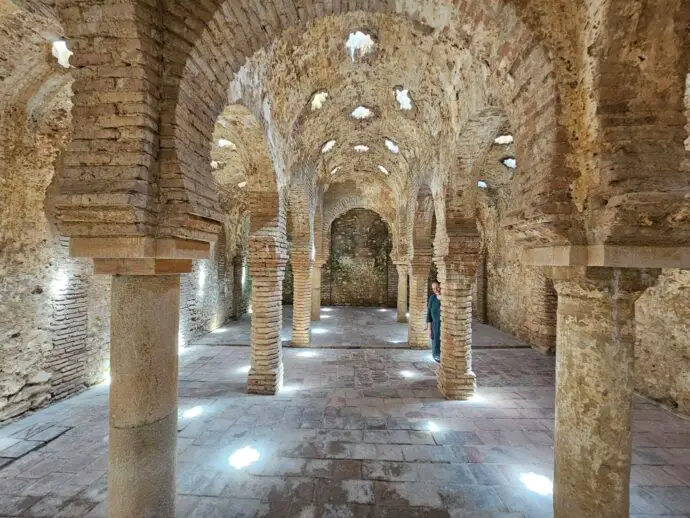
<point>454,385</point>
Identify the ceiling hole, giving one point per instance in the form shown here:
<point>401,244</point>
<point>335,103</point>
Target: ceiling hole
<point>402,96</point>
<point>504,140</point>
<point>360,148</point>
<point>392,146</point>
<point>359,42</point>
<point>318,100</point>
<point>226,143</point>
<point>62,53</point>
<point>509,162</point>
<point>328,146</point>
<point>383,170</point>
<point>362,112</point>
<point>482,184</point>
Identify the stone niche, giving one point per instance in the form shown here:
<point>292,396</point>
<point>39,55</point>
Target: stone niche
<point>359,271</point>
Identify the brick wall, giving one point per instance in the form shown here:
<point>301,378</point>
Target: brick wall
<point>359,269</point>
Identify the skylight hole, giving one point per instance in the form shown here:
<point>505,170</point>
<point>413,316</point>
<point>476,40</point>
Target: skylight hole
<point>509,162</point>
<point>482,184</point>
<point>359,44</point>
<point>362,112</point>
<point>222,142</point>
<point>318,99</point>
<point>328,146</point>
<point>402,97</point>
<point>392,146</point>
<point>383,170</point>
<point>361,148</point>
<point>504,140</point>
<point>62,53</point>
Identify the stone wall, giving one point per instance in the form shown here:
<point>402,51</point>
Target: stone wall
<point>54,319</point>
<point>520,300</point>
<point>662,345</point>
<point>357,272</point>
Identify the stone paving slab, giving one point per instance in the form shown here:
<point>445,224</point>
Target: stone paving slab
<point>350,435</point>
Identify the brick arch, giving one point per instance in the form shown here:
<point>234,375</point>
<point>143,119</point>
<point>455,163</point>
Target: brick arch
<point>198,76</point>
<point>347,204</point>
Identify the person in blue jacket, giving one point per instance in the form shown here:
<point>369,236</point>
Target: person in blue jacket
<point>433,320</point>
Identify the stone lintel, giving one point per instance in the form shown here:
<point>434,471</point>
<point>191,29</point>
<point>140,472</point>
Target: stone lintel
<point>138,247</point>
<point>611,256</point>
<point>148,266</point>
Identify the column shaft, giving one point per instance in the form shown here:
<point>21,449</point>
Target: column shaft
<point>316,293</point>
<point>455,377</point>
<point>594,388</point>
<point>143,395</point>
<point>418,336</point>
<point>402,292</point>
<point>266,372</point>
<point>301,305</point>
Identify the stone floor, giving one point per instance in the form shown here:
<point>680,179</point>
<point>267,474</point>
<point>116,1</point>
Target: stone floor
<point>354,433</point>
<point>352,327</point>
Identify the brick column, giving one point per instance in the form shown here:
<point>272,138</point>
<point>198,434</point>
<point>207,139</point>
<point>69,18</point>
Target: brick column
<point>418,336</point>
<point>403,268</point>
<point>237,287</point>
<point>301,305</point>
<point>143,395</point>
<point>266,372</point>
<point>594,388</point>
<point>456,274</point>
<point>316,292</point>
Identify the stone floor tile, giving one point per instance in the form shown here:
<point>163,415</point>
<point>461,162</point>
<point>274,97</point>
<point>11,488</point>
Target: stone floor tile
<point>391,471</point>
<point>426,453</point>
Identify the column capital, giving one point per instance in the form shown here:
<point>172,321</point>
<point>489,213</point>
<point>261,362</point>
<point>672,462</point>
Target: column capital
<point>594,281</point>
<point>403,268</point>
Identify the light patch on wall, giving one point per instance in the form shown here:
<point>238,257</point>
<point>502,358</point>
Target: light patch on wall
<point>59,283</point>
<point>482,184</point>
<point>359,42</point>
<point>222,142</point>
<point>214,164</point>
<point>328,146</point>
<point>334,170</point>
<point>509,162</point>
<point>222,122</point>
<point>392,146</point>
<point>62,53</point>
<point>318,100</point>
<point>503,140</point>
<point>242,185</point>
<point>383,170</point>
<point>361,148</point>
<point>402,96</point>
<point>201,278</point>
<point>362,112</point>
